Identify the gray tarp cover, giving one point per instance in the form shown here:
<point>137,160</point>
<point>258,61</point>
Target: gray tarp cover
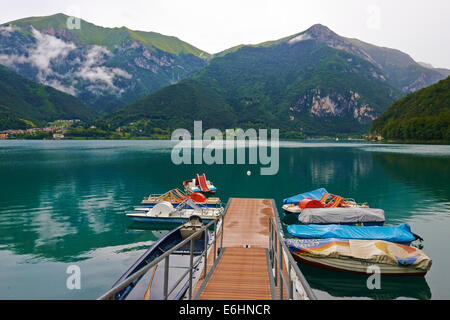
<point>341,215</point>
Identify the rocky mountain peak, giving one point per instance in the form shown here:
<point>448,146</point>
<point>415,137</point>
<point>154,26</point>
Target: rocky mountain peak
<point>320,32</point>
<point>324,35</point>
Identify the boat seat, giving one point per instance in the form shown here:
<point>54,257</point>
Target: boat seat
<point>160,249</point>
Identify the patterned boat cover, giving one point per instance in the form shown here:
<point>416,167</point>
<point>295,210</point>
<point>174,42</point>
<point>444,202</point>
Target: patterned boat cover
<point>376,251</point>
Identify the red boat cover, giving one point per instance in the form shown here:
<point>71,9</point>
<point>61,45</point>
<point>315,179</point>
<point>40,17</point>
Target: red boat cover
<point>197,197</point>
<point>310,203</point>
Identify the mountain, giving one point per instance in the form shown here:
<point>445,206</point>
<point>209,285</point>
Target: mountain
<point>443,71</point>
<point>313,83</point>
<point>105,67</point>
<point>401,70</point>
<point>24,103</point>
<point>398,67</point>
<point>423,116</point>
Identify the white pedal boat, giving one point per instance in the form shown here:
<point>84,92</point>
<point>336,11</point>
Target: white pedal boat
<point>165,212</point>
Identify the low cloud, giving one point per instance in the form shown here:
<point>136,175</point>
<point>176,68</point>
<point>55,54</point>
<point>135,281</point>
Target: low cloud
<point>48,50</point>
<point>12,60</point>
<point>92,70</point>
<point>59,86</point>
<point>6,30</point>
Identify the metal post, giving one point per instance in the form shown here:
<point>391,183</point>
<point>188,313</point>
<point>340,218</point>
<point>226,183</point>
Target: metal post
<point>221,233</point>
<point>166,276</point>
<point>206,252</point>
<point>215,235</point>
<point>270,237</point>
<point>275,262</point>
<point>290,283</point>
<point>191,267</point>
<point>281,269</point>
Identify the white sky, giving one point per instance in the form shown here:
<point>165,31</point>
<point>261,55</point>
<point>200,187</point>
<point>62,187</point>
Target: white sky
<point>417,27</point>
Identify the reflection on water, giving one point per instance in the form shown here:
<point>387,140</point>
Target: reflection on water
<point>328,284</point>
<point>63,203</point>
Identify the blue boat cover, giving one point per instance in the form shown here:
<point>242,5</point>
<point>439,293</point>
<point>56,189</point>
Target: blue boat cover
<point>401,233</point>
<point>315,194</point>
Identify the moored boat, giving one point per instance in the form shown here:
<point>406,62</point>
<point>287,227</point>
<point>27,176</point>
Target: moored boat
<point>175,197</point>
<point>150,286</point>
<point>399,234</point>
<point>357,256</point>
<point>343,216</point>
<point>165,212</point>
<point>319,198</point>
<point>199,184</point>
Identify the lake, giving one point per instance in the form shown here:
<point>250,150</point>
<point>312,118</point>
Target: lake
<point>62,203</point>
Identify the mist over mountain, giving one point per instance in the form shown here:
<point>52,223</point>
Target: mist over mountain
<point>25,103</point>
<point>315,82</point>
<point>105,67</point>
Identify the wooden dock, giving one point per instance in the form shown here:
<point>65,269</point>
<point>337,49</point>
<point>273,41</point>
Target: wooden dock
<point>242,271</point>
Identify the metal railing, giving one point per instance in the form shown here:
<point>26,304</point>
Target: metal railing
<point>110,294</point>
<point>286,276</point>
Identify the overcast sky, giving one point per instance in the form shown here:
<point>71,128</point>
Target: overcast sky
<point>417,27</point>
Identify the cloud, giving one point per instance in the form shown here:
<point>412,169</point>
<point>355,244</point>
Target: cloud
<point>299,38</point>
<point>59,86</point>
<point>12,60</point>
<point>47,49</point>
<point>102,76</point>
<point>6,30</point>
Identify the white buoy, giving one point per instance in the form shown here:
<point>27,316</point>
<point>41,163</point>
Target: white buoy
<point>249,172</point>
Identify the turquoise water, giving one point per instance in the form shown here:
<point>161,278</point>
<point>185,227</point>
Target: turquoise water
<point>62,203</point>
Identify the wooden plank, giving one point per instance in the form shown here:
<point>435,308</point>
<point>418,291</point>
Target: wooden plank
<point>241,274</point>
<point>247,223</point>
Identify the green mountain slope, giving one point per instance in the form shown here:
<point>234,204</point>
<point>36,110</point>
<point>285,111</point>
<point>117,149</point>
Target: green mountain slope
<point>300,87</point>
<point>111,37</point>
<point>401,70</point>
<point>105,67</point>
<point>178,106</point>
<point>423,115</point>
<point>23,101</point>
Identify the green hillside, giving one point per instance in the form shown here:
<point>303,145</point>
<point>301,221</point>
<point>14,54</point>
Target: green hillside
<point>178,106</point>
<point>402,71</point>
<point>105,67</point>
<point>110,37</point>
<point>272,86</point>
<point>422,116</point>
<point>24,103</point>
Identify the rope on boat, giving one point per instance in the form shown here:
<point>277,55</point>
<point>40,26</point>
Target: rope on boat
<point>147,293</point>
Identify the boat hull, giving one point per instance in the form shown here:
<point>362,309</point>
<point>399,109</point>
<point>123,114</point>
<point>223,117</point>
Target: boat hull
<point>147,219</point>
<point>208,205</point>
<point>179,263</point>
<point>356,266</point>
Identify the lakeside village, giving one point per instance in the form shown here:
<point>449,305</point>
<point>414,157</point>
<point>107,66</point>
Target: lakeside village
<point>76,129</point>
<point>54,130</point>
